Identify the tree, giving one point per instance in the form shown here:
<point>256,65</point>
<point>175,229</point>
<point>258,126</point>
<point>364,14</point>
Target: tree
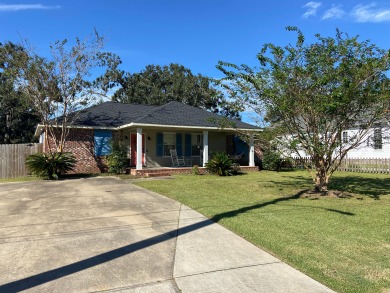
<point>314,92</point>
<point>59,87</point>
<point>157,85</point>
<point>17,119</point>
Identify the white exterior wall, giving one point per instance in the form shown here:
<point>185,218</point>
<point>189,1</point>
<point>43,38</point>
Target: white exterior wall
<point>366,149</point>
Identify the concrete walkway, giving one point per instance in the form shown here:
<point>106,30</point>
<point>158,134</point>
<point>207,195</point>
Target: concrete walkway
<point>106,235</point>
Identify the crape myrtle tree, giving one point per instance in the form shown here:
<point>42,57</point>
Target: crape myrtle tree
<point>17,118</point>
<point>60,86</point>
<point>158,85</point>
<point>313,92</point>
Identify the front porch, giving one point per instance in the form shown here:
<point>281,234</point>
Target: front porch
<point>150,148</point>
<point>167,171</point>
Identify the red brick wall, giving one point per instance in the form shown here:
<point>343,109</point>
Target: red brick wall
<point>80,143</point>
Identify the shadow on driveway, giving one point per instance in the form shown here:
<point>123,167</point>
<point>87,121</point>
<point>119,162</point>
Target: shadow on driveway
<point>48,276</point>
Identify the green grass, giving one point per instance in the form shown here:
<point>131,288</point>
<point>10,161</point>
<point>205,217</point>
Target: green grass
<point>19,179</point>
<point>343,243</point>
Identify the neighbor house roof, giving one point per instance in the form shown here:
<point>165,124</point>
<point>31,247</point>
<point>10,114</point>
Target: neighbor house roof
<point>173,114</point>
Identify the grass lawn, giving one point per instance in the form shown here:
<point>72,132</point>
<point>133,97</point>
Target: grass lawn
<point>19,179</point>
<point>343,243</point>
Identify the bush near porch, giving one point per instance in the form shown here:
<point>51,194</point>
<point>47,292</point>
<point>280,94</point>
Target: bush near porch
<point>343,243</point>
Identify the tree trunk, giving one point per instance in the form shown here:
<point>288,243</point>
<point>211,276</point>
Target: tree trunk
<point>321,180</point>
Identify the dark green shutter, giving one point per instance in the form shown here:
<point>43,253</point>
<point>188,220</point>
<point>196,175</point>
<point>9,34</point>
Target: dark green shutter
<point>188,151</point>
<point>159,144</point>
<point>179,144</point>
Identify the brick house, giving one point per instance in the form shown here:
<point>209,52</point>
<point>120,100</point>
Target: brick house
<point>150,133</point>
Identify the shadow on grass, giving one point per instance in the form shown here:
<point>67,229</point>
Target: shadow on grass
<point>371,187</point>
<point>356,184</point>
<point>78,176</point>
<point>243,210</point>
<point>60,272</point>
<point>292,181</point>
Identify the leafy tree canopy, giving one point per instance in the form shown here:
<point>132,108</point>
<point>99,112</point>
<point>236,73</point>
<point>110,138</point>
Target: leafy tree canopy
<point>17,118</point>
<point>316,91</point>
<point>157,85</point>
<point>60,85</point>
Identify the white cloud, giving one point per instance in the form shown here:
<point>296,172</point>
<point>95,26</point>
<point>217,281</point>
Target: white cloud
<point>311,8</point>
<point>334,12</point>
<point>368,13</point>
<point>17,7</point>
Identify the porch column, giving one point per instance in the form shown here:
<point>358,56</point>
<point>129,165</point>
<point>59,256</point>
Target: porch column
<point>251,152</point>
<point>139,149</point>
<point>205,147</point>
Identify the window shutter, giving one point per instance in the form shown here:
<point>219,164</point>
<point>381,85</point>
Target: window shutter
<point>102,139</point>
<point>187,149</point>
<point>159,144</point>
<point>179,144</point>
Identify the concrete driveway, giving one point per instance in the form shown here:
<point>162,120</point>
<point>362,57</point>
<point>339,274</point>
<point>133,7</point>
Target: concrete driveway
<point>106,235</point>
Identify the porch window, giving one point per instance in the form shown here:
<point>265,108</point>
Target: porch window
<point>196,144</point>
<point>169,143</point>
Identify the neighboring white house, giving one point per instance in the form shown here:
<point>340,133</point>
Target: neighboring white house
<point>375,145</point>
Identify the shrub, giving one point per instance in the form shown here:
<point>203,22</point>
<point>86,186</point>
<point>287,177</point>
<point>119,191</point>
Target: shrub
<point>50,166</point>
<point>117,160</point>
<point>195,170</point>
<point>220,164</point>
<point>271,160</point>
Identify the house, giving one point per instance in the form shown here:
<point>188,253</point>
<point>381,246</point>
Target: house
<point>374,144</point>
<point>150,132</point>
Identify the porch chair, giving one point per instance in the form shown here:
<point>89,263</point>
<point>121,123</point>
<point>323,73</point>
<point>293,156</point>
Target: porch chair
<point>176,160</point>
<point>236,158</point>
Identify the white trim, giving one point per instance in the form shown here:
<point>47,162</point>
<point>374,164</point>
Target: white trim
<point>185,127</point>
<point>251,152</point>
<point>205,147</point>
<point>139,149</point>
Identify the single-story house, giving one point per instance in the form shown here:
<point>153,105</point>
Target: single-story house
<point>150,133</point>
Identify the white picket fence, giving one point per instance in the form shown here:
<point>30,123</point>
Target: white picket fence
<point>368,165</point>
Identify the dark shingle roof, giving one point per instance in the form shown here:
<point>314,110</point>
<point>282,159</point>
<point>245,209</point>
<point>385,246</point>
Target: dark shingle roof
<point>114,114</point>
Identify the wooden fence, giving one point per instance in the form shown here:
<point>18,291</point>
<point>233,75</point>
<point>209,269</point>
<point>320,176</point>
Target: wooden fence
<point>369,165</point>
<point>13,158</point>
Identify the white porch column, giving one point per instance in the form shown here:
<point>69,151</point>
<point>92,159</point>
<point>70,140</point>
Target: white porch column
<point>251,152</point>
<point>139,149</point>
<point>205,147</point>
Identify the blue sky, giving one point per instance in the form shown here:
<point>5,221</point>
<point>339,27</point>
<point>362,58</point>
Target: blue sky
<point>194,33</point>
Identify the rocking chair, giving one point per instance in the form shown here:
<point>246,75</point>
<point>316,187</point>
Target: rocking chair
<point>176,160</point>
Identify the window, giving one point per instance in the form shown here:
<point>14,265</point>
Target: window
<point>345,136</point>
<point>196,144</point>
<point>378,138</point>
<point>169,143</point>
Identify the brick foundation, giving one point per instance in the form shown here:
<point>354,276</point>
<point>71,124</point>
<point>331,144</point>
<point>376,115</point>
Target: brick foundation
<point>184,170</point>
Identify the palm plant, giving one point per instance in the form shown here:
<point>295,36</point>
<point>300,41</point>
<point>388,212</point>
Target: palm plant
<point>51,165</point>
<point>220,164</point>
